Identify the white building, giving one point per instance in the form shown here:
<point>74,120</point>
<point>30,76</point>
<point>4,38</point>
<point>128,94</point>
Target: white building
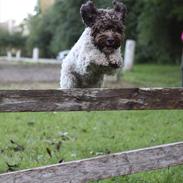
<point>10,25</point>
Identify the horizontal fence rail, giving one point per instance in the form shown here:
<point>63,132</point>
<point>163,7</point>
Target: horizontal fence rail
<point>102,167</point>
<point>90,100</point>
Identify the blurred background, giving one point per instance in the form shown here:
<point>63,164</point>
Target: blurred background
<point>35,36</point>
<point>45,30</point>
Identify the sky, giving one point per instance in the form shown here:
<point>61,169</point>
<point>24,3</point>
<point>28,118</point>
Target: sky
<point>16,9</point>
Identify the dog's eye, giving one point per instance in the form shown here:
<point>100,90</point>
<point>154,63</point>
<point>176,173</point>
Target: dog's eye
<point>102,37</point>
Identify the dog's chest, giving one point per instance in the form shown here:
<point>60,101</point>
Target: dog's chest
<point>92,77</point>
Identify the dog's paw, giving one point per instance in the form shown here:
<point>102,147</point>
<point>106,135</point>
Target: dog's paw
<point>116,61</point>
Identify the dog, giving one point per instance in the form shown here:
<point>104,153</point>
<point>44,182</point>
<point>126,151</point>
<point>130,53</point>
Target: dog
<point>98,51</point>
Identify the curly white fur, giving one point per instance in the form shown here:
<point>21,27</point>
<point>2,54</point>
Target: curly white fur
<point>85,65</point>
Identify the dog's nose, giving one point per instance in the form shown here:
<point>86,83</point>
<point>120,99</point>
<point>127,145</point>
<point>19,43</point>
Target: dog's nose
<point>114,65</point>
<point>110,42</point>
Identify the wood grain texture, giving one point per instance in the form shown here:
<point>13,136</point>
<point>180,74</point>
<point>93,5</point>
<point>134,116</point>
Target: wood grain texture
<point>102,167</point>
<point>90,100</point>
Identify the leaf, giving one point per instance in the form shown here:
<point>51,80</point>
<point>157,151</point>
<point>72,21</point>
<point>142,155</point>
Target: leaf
<point>58,145</point>
<point>61,161</point>
<point>12,168</point>
<point>49,152</point>
<point>30,123</point>
<point>17,146</point>
<point>84,130</point>
<point>64,136</point>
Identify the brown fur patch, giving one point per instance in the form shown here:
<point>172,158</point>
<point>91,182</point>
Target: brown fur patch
<point>107,25</point>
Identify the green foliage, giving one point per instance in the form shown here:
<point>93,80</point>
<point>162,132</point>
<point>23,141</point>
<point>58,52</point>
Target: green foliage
<point>16,40</point>
<point>3,40</point>
<point>154,75</point>
<point>159,30</point>
<point>67,23</point>
<point>10,41</point>
<point>57,29</point>
<point>72,136</point>
<point>39,36</point>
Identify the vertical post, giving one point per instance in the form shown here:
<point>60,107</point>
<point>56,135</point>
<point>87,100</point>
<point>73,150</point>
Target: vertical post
<point>18,55</point>
<point>129,55</point>
<point>35,55</point>
<point>9,55</point>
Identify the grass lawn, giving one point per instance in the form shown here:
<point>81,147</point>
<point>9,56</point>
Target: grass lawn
<point>36,139</point>
<point>154,75</point>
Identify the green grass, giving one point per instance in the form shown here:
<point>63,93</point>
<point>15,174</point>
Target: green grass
<point>86,135</point>
<point>35,139</point>
<point>154,75</point>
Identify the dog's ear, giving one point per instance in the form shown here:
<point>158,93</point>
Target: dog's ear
<point>88,13</point>
<point>120,9</point>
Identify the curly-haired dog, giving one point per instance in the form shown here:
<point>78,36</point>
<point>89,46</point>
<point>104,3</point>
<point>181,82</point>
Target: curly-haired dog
<point>98,51</point>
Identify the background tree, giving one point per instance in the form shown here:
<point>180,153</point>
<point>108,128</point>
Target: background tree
<point>39,35</point>
<point>9,41</point>
<point>3,41</point>
<point>159,27</point>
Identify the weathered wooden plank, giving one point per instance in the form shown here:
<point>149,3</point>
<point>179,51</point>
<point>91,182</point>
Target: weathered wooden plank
<point>102,167</point>
<point>90,99</point>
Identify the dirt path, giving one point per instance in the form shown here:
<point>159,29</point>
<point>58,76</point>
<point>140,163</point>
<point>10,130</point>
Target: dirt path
<point>29,76</point>
<point>36,76</point>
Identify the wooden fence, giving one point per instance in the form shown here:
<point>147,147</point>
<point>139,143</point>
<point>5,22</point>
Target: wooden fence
<point>101,167</point>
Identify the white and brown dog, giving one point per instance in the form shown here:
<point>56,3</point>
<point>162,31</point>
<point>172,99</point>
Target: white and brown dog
<point>98,51</point>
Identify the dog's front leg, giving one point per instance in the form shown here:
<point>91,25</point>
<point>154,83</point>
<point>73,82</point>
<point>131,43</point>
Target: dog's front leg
<point>68,80</point>
<point>116,59</point>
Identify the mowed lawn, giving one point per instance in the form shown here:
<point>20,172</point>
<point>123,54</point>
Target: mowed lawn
<point>155,75</point>
<point>35,139</point>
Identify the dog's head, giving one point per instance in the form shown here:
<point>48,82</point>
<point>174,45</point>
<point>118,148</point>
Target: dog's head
<point>107,25</point>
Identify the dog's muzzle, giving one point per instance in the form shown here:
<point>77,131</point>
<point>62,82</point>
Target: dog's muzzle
<point>110,42</point>
<point>115,66</point>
